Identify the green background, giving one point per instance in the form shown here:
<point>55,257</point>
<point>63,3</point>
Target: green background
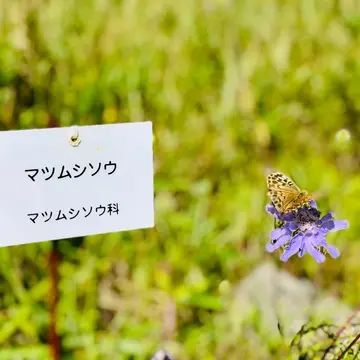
<point>235,89</point>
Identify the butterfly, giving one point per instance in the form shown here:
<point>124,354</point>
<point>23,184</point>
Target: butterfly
<point>285,195</point>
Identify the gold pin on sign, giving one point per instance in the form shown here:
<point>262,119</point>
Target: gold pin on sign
<point>74,137</point>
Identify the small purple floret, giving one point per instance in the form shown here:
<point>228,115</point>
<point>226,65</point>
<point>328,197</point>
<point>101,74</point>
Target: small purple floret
<point>304,232</point>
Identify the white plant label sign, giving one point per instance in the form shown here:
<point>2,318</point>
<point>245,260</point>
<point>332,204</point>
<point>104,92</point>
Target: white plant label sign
<point>69,182</point>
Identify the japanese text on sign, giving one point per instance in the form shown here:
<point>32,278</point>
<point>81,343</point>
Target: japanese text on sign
<point>71,214</point>
<point>75,172</point>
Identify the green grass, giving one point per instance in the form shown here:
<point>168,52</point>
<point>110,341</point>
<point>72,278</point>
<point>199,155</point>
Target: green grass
<point>233,88</point>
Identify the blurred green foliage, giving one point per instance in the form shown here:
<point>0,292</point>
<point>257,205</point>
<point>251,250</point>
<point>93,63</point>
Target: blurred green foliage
<point>234,89</point>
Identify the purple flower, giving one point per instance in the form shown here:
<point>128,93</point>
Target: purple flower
<point>304,232</point>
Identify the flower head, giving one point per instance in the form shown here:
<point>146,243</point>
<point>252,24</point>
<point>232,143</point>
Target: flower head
<point>303,232</point>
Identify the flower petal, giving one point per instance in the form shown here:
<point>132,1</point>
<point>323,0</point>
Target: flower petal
<point>327,217</point>
<point>333,251</point>
<point>302,250</point>
<point>277,233</point>
<point>328,225</point>
<point>313,204</point>
<point>323,231</point>
<point>340,225</point>
<point>316,254</point>
<point>276,243</point>
<point>292,225</point>
<point>272,246</point>
<point>288,217</point>
<point>270,209</point>
<point>312,245</point>
<point>292,248</point>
